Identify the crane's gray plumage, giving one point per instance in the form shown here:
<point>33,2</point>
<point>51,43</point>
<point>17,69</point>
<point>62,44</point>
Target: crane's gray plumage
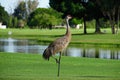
<point>59,44</point>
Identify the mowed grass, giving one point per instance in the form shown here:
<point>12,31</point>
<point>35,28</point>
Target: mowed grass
<point>45,35</point>
<point>18,66</point>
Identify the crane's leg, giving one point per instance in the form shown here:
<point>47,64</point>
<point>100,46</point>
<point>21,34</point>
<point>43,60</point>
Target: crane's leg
<point>59,65</point>
<point>57,61</point>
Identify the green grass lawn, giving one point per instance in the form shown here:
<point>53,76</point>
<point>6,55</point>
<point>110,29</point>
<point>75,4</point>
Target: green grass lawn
<point>46,35</point>
<point>18,66</point>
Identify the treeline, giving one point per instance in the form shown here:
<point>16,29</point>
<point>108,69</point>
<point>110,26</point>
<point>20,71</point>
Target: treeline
<point>27,14</point>
<point>89,10</point>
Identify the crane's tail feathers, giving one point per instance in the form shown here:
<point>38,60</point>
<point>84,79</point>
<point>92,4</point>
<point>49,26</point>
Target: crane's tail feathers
<point>46,54</point>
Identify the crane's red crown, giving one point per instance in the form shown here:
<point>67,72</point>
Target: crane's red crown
<point>68,16</point>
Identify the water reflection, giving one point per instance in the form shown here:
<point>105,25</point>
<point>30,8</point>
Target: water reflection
<point>27,46</point>
<point>94,53</point>
<point>23,46</point>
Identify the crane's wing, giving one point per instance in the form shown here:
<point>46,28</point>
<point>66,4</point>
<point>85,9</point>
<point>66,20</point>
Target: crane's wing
<point>59,44</point>
<point>56,46</point>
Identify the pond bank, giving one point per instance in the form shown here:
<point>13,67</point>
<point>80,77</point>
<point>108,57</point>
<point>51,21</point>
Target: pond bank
<point>78,37</point>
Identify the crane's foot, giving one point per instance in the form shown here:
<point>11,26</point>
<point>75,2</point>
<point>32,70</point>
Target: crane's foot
<point>57,61</point>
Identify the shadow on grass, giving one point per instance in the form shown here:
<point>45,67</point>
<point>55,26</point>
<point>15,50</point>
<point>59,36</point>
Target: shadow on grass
<point>88,33</point>
<point>94,76</point>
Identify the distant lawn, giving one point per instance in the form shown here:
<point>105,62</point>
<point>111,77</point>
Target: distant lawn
<point>45,35</point>
<point>18,66</point>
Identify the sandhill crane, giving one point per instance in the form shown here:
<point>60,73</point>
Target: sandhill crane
<point>58,45</point>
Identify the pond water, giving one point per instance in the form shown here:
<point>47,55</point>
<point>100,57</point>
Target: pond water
<point>29,46</point>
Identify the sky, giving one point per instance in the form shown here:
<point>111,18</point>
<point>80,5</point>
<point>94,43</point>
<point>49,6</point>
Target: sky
<point>10,5</point>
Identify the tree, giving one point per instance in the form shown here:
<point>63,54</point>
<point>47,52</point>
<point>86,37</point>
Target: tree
<point>85,9</point>
<point>15,22</point>
<point>76,21</point>
<point>20,10</point>
<point>72,7</point>
<point>31,6</point>
<point>23,9</point>
<point>3,16</point>
<point>43,18</point>
<point>79,9</point>
<point>10,23</point>
<point>111,9</point>
<point>21,23</point>
<point>94,12</point>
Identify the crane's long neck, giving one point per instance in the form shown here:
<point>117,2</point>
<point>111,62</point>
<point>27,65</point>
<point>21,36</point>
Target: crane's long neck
<point>68,33</point>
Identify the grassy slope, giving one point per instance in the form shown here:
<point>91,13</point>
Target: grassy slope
<point>77,36</point>
<point>34,67</point>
